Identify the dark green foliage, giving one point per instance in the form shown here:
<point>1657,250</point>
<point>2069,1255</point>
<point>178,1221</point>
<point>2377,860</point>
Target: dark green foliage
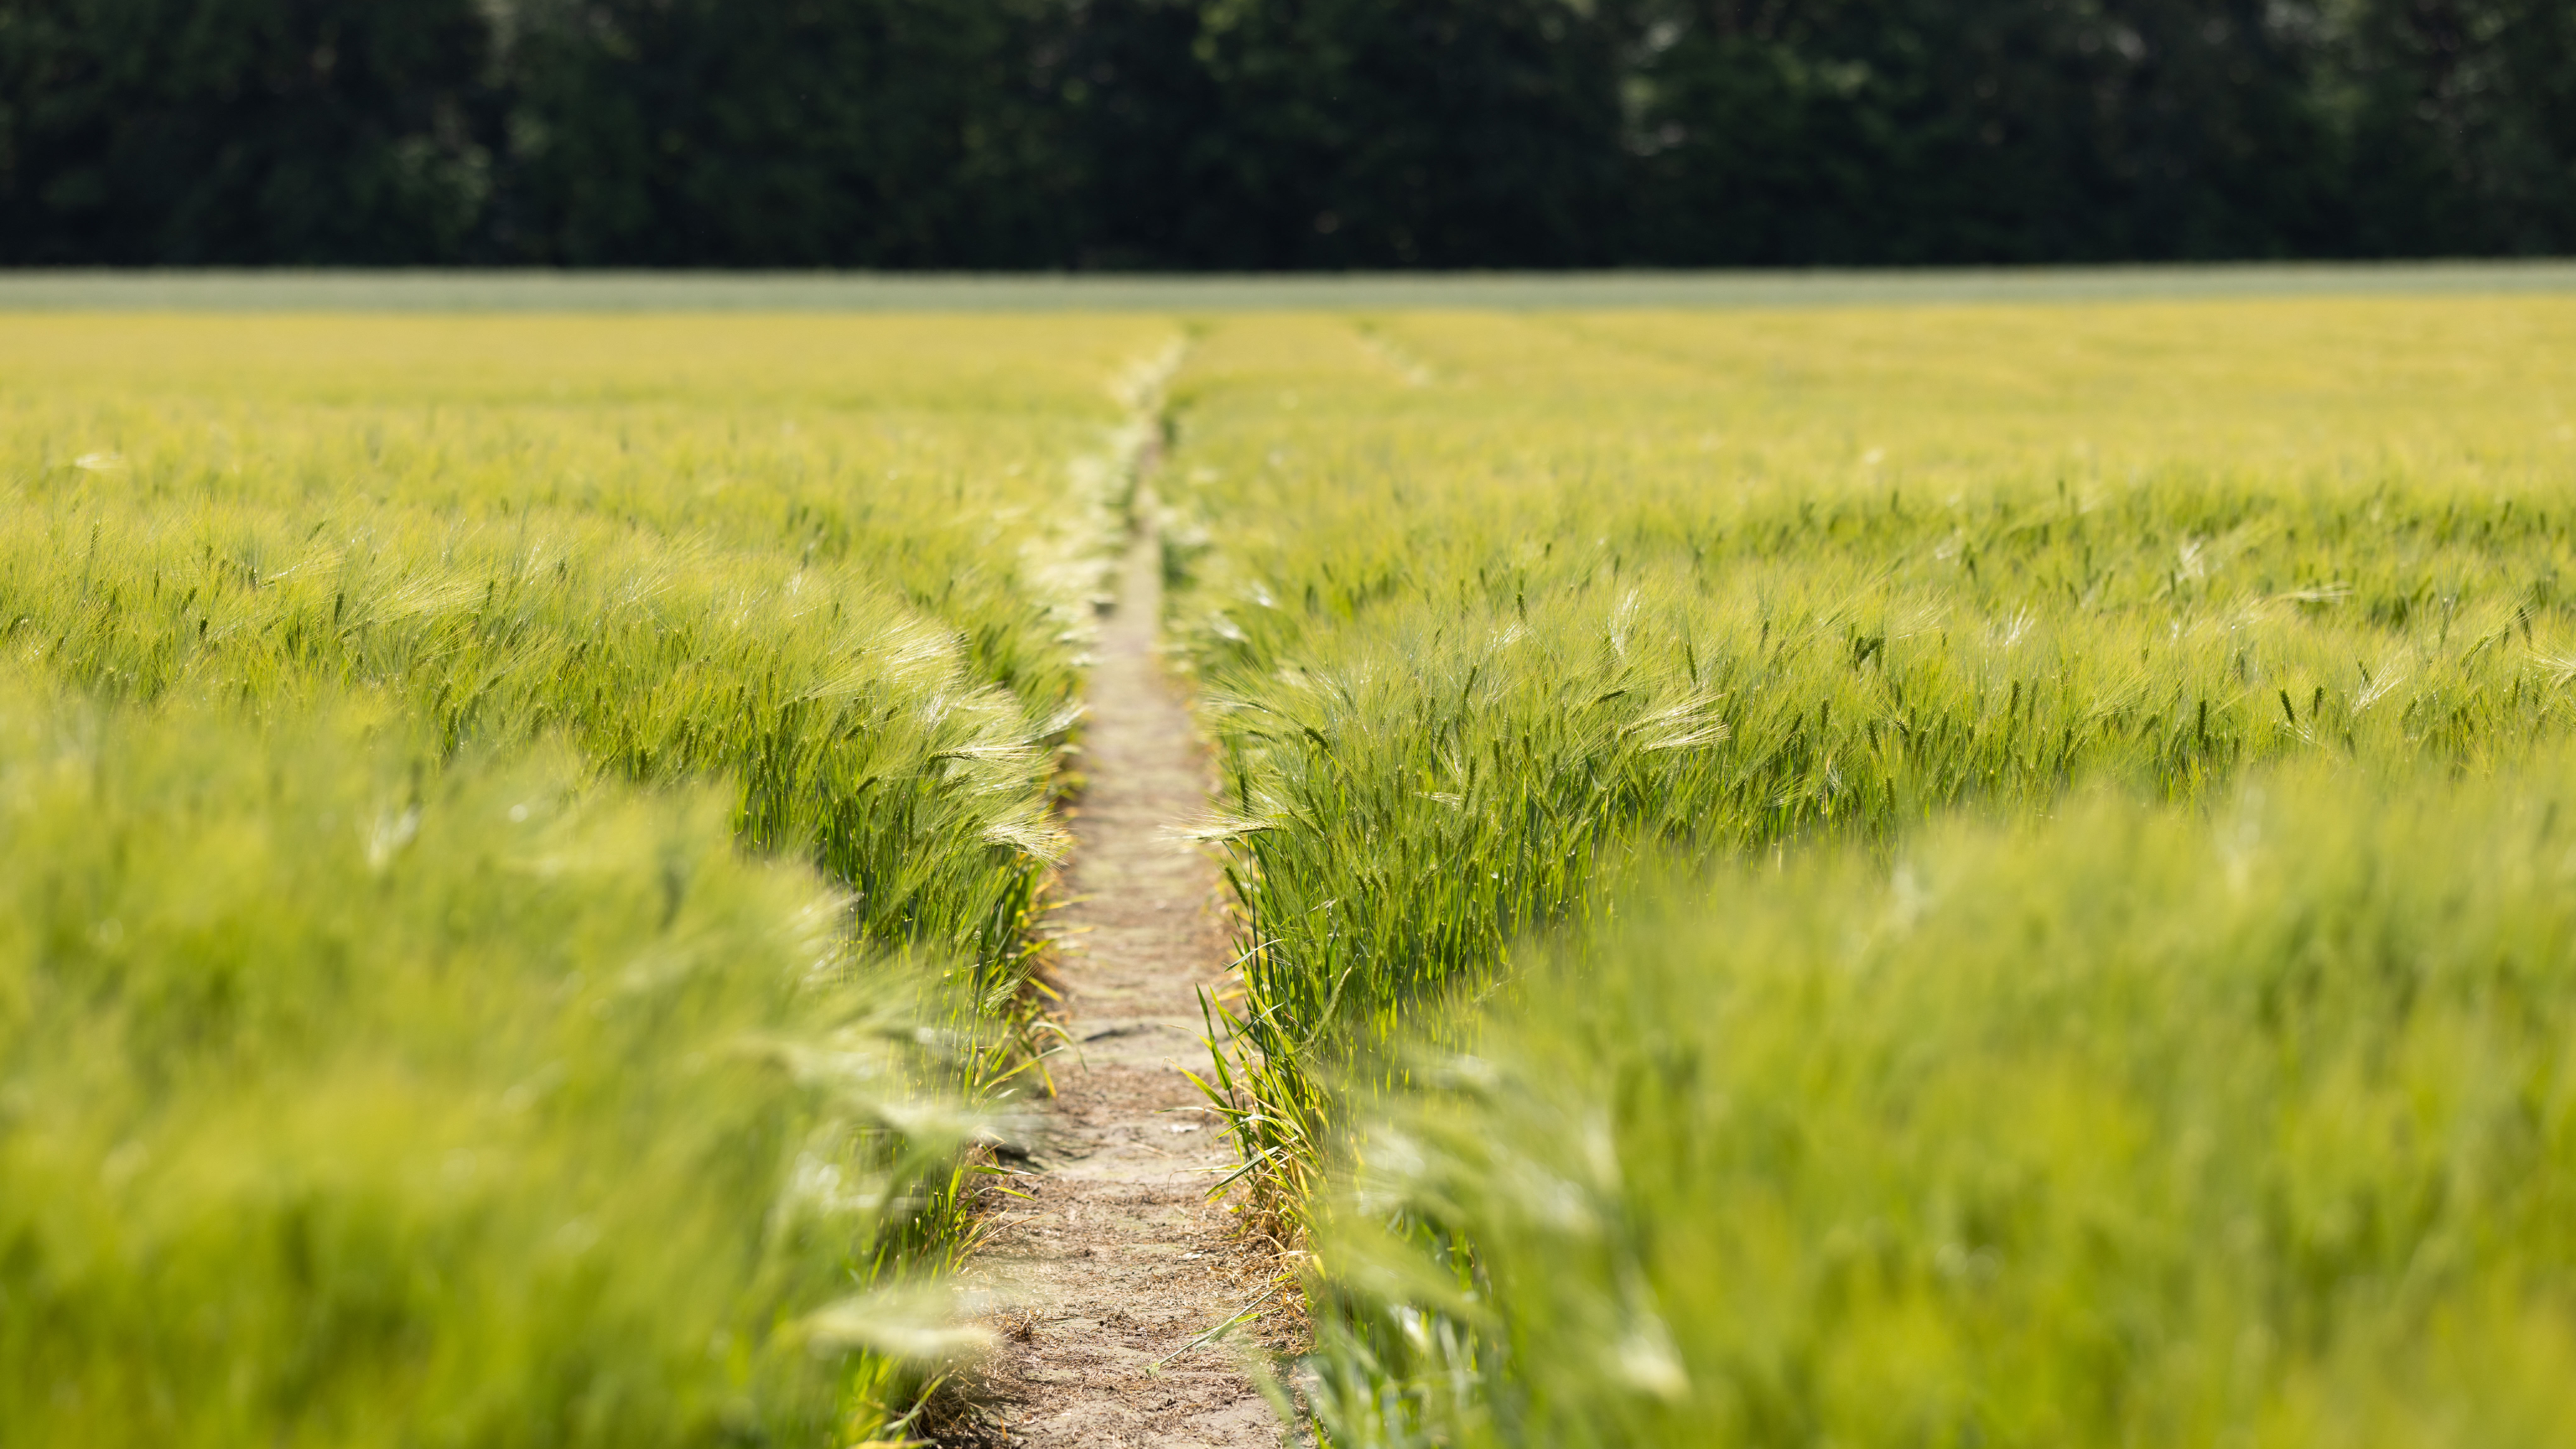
<point>1344,133</point>
<point>1263,134</point>
<point>696,132</point>
<point>2462,124</point>
<point>196,131</point>
<point>1985,130</point>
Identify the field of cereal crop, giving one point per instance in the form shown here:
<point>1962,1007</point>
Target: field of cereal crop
<point>1877,870</point>
<point>520,840</point>
<point>1943,875</point>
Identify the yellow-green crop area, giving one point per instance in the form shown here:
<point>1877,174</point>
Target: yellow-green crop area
<point>1933,875</point>
<point>2036,835</point>
<point>516,843</point>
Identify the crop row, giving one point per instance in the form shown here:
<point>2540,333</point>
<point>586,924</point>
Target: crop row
<point>519,839</point>
<point>1497,618</point>
<point>2141,1125</point>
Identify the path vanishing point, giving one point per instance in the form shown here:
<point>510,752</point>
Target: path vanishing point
<point>1117,1261</point>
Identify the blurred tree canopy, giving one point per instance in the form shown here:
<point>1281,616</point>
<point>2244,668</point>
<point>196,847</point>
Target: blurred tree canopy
<point>1263,134</point>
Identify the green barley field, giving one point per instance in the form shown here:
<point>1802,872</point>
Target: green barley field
<point>521,836</point>
<point>1938,863</point>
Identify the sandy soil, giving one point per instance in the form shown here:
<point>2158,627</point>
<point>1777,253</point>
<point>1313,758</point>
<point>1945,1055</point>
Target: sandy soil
<point>1119,1259</point>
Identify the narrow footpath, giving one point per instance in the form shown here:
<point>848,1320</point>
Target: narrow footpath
<point>1118,1261</point>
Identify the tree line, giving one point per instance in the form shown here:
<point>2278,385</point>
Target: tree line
<point>1275,134</point>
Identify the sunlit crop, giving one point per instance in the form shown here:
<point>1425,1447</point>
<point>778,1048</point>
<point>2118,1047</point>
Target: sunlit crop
<point>517,833</point>
<point>1890,876</point>
<point>1492,613</point>
<point>2250,1126</point>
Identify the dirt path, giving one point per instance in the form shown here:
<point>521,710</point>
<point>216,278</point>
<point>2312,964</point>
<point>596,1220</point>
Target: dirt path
<point>1119,1260</point>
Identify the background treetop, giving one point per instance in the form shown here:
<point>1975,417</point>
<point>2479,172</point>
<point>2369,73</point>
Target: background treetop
<point>1281,134</point>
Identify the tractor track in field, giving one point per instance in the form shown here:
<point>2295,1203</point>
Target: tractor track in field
<point>1117,1265</point>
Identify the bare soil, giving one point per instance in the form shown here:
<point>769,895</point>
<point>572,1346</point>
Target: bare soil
<point>1118,1259</point>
